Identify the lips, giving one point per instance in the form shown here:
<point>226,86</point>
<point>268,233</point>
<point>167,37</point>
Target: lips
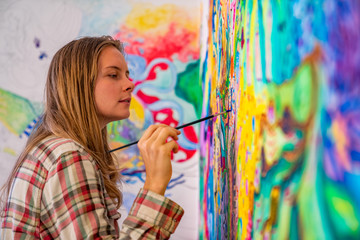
<point>126,100</point>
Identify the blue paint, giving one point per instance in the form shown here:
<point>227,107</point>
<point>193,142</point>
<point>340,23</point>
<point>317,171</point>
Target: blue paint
<point>253,123</point>
<point>37,42</point>
<point>43,55</point>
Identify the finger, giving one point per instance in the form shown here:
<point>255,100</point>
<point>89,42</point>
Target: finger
<point>155,134</point>
<point>150,131</point>
<point>172,146</point>
<point>164,134</point>
<point>150,136</point>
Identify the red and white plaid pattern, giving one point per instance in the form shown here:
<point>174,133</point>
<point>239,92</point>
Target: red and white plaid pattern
<point>58,193</point>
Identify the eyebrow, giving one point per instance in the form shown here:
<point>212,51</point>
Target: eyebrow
<point>116,67</point>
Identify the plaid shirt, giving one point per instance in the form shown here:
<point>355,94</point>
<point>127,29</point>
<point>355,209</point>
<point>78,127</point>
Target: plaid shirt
<point>59,193</point>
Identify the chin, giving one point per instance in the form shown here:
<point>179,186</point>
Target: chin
<point>124,116</point>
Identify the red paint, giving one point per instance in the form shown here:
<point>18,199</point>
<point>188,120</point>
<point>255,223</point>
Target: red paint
<point>188,154</point>
<point>169,120</point>
<point>190,134</point>
<point>176,40</point>
<point>146,98</point>
<point>152,73</point>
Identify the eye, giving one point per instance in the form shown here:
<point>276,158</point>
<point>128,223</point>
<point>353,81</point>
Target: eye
<point>113,75</point>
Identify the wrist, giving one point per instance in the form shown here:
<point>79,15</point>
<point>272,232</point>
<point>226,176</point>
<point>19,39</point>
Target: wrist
<point>155,188</point>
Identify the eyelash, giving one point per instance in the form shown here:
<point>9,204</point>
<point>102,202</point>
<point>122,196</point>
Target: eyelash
<point>113,75</point>
<point>116,76</point>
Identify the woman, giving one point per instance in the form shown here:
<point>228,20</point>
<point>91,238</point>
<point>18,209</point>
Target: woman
<point>64,184</point>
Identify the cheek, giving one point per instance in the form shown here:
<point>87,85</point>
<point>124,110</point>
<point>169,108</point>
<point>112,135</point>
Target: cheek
<point>102,94</point>
<point>106,95</point>
<point>97,94</point>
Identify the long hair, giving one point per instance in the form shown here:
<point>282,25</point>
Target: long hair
<point>70,109</point>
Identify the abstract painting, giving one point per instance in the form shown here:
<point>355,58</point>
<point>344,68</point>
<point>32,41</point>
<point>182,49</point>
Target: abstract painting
<point>162,44</point>
<point>285,162</point>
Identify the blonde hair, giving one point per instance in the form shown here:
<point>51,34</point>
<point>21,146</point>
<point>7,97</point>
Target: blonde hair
<point>70,109</point>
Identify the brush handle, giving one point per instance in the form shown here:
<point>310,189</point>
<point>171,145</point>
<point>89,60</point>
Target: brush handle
<point>124,146</point>
<point>179,127</point>
<point>194,122</point>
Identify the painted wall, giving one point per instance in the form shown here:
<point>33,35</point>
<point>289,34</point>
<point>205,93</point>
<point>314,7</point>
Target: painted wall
<point>285,163</point>
<point>162,45</point>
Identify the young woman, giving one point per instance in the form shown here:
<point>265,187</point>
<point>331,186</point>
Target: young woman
<point>64,184</point>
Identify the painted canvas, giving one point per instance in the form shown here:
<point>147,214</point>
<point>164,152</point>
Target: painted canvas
<point>284,163</point>
<point>162,44</point>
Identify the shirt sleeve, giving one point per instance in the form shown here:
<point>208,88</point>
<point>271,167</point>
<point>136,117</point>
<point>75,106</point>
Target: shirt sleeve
<point>74,204</point>
<point>152,216</point>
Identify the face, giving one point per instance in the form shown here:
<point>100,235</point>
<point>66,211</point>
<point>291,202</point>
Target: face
<point>112,87</point>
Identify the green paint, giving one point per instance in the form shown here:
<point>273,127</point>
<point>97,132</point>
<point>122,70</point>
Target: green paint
<point>189,86</point>
<point>114,128</point>
<point>302,99</point>
<point>344,215</point>
<point>16,112</point>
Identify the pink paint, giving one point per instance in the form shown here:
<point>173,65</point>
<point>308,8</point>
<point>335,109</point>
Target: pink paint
<point>176,40</point>
<point>247,186</point>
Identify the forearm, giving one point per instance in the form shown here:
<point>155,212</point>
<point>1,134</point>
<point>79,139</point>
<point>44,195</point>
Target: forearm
<point>151,216</point>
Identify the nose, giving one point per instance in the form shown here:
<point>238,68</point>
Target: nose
<point>130,86</point>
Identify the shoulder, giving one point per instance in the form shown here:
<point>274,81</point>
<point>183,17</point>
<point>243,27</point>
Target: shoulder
<point>51,149</point>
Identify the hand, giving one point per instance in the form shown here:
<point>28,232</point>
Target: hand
<point>156,153</point>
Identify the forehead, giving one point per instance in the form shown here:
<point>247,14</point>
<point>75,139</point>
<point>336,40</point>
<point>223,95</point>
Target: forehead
<point>110,55</point>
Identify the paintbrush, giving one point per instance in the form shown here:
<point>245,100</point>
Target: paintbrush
<point>179,127</point>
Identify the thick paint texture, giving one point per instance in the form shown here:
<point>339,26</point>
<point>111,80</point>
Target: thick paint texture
<point>284,164</point>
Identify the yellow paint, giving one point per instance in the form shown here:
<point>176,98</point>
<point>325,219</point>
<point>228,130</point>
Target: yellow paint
<point>249,142</point>
<point>137,113</point>
<point>130,163</point>
<point>10,151</point>
<point>147,17</point>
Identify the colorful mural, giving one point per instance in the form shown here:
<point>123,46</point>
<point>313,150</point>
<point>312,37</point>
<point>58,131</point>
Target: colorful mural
<point>162,49</point>
<point>162,44</point>
<point>284,164</point>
